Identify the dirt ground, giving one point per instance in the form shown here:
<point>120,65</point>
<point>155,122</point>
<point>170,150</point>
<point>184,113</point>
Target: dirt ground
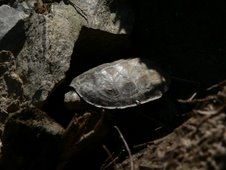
<point>199,143</point>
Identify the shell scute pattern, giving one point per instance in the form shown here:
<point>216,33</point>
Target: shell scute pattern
<point>120,84</point>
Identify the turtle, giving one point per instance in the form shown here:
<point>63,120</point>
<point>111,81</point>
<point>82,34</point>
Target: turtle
<point>119,84</point>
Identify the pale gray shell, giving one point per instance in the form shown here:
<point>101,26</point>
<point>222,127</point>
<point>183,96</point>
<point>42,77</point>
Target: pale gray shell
<point>120,84</point>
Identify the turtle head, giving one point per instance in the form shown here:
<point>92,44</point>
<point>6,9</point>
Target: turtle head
<point>72,100</point>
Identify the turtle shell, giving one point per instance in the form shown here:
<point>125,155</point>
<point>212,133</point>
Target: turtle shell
<point>121,84</point>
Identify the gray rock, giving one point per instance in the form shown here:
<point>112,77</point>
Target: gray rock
<point>11,90</point>
<point>45,56</point>
<point>9,18</point>
<point>25,6</point>
<point>12,34</point>
<point>117,18</point>
<point>45,52</point>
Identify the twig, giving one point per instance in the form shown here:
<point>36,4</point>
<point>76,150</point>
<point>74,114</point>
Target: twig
<point>143,145</point>
<point>185,80</point>
<point>78,9</point>
<point>223,83</point>
<point>194,101</point>
<point>110,157</point>
<point>127,148</point>
<point>189,100</point>
<point>210,114</point>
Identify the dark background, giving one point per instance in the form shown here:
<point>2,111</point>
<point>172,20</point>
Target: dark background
<point>187,37</point>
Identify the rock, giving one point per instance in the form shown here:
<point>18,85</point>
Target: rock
<point>11,86</point>
<point>30,141</point>
<point>113,17</point>
<point>11,91</point>
<point>12,29</point>
<point>45,56</point>
<point>9,19</point>
<point>43,51</point>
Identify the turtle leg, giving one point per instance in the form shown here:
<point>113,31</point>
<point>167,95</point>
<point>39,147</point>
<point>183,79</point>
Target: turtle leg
<point>71,137</point>
<point>81,133</point>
